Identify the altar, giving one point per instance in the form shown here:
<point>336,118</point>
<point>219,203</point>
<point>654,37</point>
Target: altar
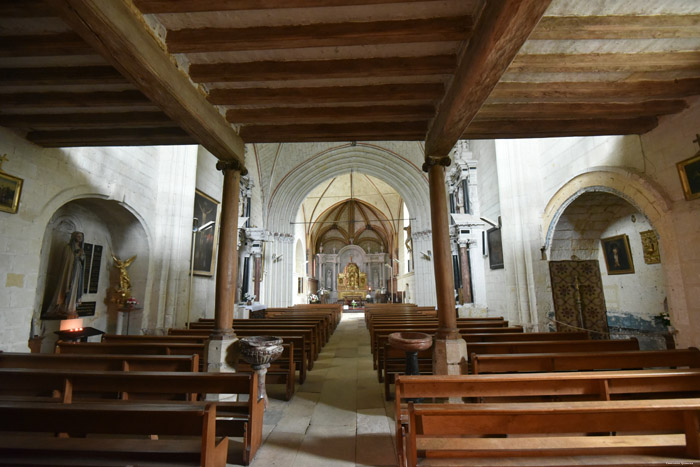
<point>352,284</point>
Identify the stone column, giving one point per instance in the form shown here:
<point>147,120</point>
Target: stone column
<point>226,269</point>
<point>450,350</point>
<point>257,274</point>
<point>466,273</point>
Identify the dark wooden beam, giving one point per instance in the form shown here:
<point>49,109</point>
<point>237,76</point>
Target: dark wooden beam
<point>111,137</point>
<point>87,120</point>
<point>44,45</point>
<point>291,115</point>
<point>617,27</point>
<point>118,31</point>
<point>188,6</point>
<point>502,29</point>
<point>74,99</point>
<point>618,91</point>
<point>505,129</point>
<point>319,35</point>
<point>579,110</point>
<point>323,95</point>
<point>606,63</point>
<point>24,9</point>
<point>322,69</point>
<point>70,75</point>
<point>408,131</point>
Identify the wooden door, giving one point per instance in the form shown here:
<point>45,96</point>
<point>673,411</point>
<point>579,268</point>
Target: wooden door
<point>579,302</point>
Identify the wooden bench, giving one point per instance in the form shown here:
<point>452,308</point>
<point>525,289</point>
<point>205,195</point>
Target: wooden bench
<point>237,419</point>
<point>132,348</point>
<point>122,431</point>
<point>576,361</point>
<point>100,362</point>
<point>649,432</point>
<point>552,346</point>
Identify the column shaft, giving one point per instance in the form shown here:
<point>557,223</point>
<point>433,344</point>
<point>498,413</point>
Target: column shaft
<point>466,274</point>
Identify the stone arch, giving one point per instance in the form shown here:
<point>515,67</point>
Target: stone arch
<point>649,200</point>
<point>399,172</point>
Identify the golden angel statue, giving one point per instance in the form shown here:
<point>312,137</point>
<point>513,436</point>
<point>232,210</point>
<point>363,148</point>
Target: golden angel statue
<point>124,289</point>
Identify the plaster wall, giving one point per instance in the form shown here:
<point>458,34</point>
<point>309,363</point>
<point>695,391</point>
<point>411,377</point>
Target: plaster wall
<point>130,178</point>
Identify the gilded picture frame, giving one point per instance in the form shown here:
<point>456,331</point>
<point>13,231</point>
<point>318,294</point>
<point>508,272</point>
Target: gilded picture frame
<point>206,234</point>
<point>689,172</point>
<point>650,246</point>
<point>617,254</point>
<point>10,192</point>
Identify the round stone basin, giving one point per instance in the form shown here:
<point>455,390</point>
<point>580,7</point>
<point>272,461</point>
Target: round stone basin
<point>410,341</point>
<point>260,350</point>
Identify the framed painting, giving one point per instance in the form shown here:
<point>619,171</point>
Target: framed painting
<point>689,171</point>
<point>206,230</point>
<point>10,191</point>
<point>618,257</point>
<point>493,237</point>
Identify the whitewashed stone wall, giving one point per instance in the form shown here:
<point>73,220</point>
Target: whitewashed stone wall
<point>132,192</point>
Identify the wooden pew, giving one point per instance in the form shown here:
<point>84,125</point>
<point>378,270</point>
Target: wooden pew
<point>100,362</point>
<point>577,361</point>
<point>120,428</point>
<point>239,419</point>
<point>550,433</point>
<point>552,346</point>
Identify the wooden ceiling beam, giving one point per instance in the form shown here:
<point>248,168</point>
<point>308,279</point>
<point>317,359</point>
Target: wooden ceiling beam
<point>324,95</point>
<point>620,91</point>
<point>190,6</point>
<point>73,99</point>
<point>560,128</point>
<point>579,110</point>
<point>322,69</point>
<point>44,45</point>
<point>408,131</point>
<point>23,9</point>
<point>111,137</point>
<point>290,115</point>
<point>502,29</point>
<point>319,35</point>
<point>87,120</point>
<point>617,27</point>
<point>606,63</point>
<point>120,34</point>
<point>71,75</point>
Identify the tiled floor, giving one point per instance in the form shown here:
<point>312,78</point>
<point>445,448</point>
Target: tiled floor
<point>338,417</point>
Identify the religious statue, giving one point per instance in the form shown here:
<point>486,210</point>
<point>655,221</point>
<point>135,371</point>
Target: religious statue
<point>124,290</point>
<point>69,290</point>
<point>352,283</point>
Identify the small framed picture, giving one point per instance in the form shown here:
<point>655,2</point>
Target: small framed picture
<point>618,257</point>
<point>206,213</point>
<point>10,191</point>
<point>689,171</point>
<point>495,248</point>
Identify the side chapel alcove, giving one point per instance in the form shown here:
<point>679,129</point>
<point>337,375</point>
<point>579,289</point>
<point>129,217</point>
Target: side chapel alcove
<point>109,228</point>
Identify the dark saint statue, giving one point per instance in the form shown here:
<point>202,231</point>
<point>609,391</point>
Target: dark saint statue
<point>69,289</point>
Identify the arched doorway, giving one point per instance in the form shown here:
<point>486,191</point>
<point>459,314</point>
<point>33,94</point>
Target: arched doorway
<point>606,272</point>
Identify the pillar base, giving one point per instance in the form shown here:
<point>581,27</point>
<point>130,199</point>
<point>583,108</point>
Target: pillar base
<point>450,357</point>
<point>216,363</point>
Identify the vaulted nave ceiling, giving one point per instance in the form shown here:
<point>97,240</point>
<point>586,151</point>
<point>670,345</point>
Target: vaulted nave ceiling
<point>227,72</point>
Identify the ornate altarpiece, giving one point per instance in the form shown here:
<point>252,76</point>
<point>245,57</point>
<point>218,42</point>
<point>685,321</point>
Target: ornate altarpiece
<point>352,284</point>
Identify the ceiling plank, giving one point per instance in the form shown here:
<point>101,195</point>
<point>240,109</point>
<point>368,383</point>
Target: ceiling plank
<point>605,63</point>
<point>23,9</point>
<point>44,45</point>
<point>319,35</point>
<point>503,28</point>
<point>73,99</point>
<point>579,110</point>
<point>188,6</point>
<point>120,34</point>
<point>78,75</point>
<point>560,128</point>
<point>290,115</point>
<point>111,137</point>
<point>617,27</point>
<point>322,69</point>
<point>325,95</point>
<point>594,91</point>
<point>87,120</point>
<point>409,131</point>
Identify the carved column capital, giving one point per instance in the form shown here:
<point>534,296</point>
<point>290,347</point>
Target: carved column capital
<point>231,165</point>
<point>431,161</point>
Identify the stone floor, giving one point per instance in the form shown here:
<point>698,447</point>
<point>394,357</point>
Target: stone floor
<point>338,417</point>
